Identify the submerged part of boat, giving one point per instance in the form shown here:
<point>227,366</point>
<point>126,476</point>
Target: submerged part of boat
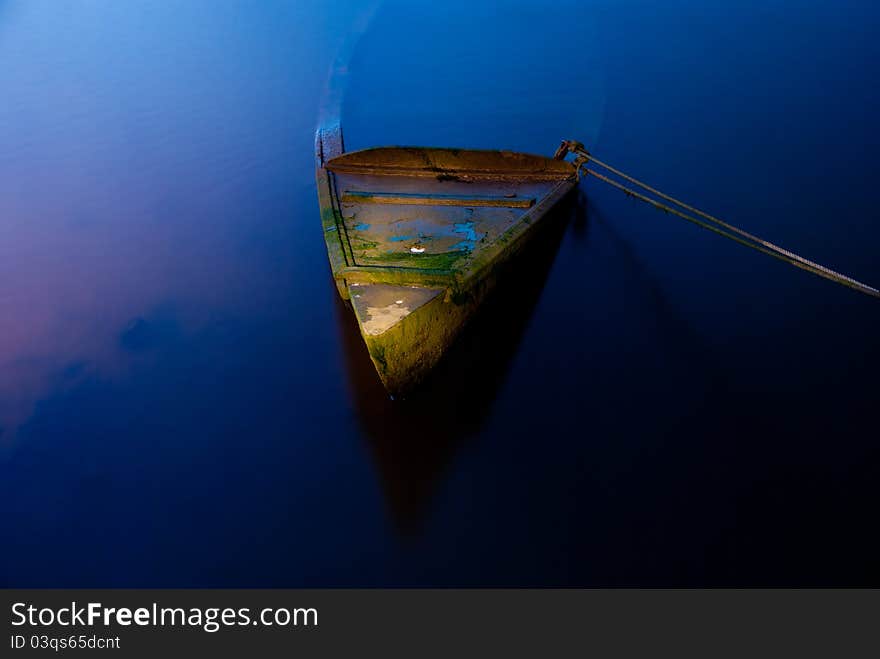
<point>417,236</point>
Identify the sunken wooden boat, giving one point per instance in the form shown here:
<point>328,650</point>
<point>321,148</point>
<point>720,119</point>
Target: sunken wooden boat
<point>417,237</point>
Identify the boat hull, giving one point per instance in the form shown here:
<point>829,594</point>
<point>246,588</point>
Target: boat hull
<point>417,238</point>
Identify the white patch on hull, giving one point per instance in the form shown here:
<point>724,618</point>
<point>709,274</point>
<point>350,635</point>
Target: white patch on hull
<point>379,307</point>
<point>381,319</point>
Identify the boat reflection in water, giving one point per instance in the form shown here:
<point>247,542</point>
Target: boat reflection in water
<point>414,440</point>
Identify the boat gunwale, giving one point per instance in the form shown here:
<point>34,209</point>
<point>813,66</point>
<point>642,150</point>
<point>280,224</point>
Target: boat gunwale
<point>506,165</point>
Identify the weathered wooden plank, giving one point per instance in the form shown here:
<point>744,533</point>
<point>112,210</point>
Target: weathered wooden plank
<point>357,197</point>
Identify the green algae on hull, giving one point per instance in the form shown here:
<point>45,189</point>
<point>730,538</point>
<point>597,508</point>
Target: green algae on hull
<point>441,261</point>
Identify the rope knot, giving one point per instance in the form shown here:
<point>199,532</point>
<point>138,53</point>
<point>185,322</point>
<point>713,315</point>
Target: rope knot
<point>569,146</point>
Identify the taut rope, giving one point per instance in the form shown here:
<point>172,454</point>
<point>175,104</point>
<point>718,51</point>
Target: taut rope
<point>583,158</point>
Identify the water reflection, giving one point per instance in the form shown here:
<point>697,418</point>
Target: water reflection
<point>414,440</point>
<point>144,190</point>
<point>676,332</point>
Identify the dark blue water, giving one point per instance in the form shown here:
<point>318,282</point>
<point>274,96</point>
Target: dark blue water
<point>184,400</point>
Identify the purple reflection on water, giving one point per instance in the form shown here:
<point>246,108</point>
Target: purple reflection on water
<point>140,170</point>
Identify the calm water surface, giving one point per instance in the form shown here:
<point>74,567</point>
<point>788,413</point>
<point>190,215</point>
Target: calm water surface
<point>184,400</point>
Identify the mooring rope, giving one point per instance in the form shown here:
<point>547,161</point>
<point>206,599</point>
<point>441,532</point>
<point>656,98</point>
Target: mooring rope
<point>710,222</point>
